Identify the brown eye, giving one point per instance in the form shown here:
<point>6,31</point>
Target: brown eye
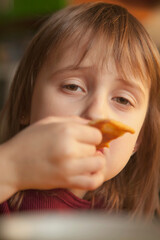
<point>71,87</point>
<point>122,100</point>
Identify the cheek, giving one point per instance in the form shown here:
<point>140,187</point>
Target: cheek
<point>118,154</point>
<point>50,103</point>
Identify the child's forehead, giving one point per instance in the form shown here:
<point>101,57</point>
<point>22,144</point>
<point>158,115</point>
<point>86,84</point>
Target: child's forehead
<point>77,55</point>
<point>99,55</point>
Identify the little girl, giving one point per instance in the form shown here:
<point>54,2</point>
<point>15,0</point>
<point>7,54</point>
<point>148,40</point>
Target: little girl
<point>91,61</point>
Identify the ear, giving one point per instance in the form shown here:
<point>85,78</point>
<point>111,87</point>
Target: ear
<point>138,142</point>
<point>24,120</point>
<point>135,149</point>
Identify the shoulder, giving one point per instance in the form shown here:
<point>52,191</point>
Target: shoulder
<point>4,208</point>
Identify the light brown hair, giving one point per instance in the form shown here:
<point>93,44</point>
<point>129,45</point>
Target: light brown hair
<point>136,188</point>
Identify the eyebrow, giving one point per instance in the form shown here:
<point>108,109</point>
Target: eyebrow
<point>133,85</point>
<point>69,68</point>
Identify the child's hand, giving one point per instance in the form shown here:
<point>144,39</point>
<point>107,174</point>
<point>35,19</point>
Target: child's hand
<point>57,152</point>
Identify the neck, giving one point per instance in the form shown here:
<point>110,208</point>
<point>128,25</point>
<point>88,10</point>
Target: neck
<point>78,192</point>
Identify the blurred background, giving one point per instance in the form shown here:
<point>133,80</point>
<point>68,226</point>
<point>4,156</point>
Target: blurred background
<point>20,19</point>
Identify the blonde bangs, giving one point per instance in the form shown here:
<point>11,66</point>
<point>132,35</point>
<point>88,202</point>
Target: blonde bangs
<point>118,34</point>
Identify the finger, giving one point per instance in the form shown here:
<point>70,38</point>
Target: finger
<point>87,182</point>
<point>78,127</point>
<point>87,134</point>
<point>85,166</point>
<point>81,150</point>
<point>56,119</point>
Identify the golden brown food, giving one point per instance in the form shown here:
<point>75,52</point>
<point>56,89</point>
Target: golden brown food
<point>110,129</point>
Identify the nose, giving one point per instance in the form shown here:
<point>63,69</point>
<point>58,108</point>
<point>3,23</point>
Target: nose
<point>96,108</point>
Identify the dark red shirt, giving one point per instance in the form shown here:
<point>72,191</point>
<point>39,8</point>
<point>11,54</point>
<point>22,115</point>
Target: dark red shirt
<point>57,199</point>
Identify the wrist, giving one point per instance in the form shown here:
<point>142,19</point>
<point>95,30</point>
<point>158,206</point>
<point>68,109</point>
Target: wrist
<point>8,179</point>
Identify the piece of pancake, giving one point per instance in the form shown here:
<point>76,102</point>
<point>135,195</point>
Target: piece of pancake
<point>110,129</point>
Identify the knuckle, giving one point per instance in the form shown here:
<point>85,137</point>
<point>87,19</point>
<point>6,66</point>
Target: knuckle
<point>66,130</point>
<point>94,149</point>
<point>98,135</point>
<point>49,118</point>
<point>96,182</point>
<point>91,150</point>
<point>75,117</point>
<point>99,163</point>
<point>67,169</point>
<point>92,185</point>
<point>102,161</point>
<point>68,150</point>
<point>67,143</point>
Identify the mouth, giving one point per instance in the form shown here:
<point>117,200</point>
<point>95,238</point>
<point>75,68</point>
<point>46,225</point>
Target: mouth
<point>102,150</point>
<point>110,130</point>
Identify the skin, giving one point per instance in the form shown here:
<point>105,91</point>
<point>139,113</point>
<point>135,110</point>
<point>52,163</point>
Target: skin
<point>58,150</point>
<point>94,90</point>
<point>31,161</point>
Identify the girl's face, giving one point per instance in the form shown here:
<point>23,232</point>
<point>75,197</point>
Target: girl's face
<point>93,91</point>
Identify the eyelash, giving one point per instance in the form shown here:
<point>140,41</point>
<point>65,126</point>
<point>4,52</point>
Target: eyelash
<point>71,87</point>
<point>123,102</point>
<point>119,100</point>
